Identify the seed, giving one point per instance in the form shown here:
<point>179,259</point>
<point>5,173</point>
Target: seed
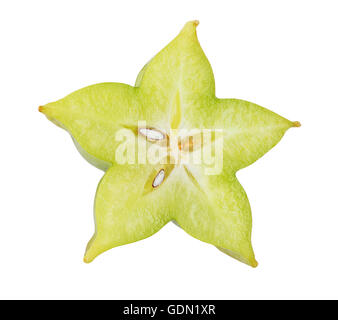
<point>152,134</point>
<point>158,179</point>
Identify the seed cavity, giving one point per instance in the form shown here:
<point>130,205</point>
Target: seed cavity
<point>158,179</point>
<point>152,134</point>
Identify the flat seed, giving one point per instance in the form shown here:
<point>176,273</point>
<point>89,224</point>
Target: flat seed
<point>152,134</point>
<point>158,179</point>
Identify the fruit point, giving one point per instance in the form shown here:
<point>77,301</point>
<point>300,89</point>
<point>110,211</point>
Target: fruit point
<point>180,165</point>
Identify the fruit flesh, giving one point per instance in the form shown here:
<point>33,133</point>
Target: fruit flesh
<point>174,90</point>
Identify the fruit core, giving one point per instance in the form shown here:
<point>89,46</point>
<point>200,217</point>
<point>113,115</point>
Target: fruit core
<point>177,148</point>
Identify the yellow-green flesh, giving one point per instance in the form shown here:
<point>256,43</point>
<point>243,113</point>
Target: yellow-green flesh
<point>174,90</point>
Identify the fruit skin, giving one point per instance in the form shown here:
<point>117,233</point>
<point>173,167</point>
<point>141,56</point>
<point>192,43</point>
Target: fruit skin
<point>176,89</point>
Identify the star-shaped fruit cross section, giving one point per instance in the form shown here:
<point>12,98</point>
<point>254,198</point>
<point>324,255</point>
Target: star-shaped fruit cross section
<point>170,151</point>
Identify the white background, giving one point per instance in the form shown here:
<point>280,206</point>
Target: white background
<point>280,54</point>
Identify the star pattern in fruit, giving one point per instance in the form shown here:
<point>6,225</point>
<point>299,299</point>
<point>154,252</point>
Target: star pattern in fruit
<point>173,93</point>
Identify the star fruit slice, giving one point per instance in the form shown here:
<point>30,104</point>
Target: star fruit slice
<point>175,90</point>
